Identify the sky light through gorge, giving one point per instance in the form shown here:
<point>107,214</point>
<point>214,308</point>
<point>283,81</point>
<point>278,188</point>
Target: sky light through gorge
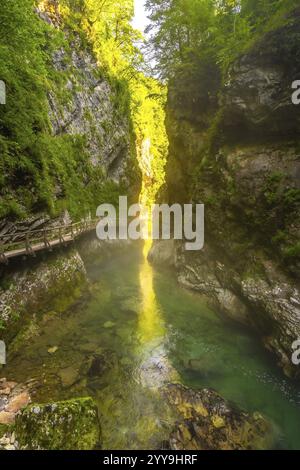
<point>140,20</point>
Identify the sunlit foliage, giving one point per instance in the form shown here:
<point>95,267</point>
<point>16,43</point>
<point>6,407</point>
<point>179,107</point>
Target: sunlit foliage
<point>33,161</point>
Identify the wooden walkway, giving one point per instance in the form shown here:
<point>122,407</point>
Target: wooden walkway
<point>35,241</point>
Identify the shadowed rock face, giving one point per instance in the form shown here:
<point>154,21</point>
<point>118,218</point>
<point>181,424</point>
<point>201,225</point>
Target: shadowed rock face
<point>257,94</point>
<point>249,181</point>
<point>208,422</point>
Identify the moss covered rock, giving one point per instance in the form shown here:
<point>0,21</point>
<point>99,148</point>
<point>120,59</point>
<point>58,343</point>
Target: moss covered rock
<point>208,422</point>
<point>66,425</point>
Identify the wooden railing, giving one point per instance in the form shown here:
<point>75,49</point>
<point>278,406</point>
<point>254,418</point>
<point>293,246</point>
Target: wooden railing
<point>32,241</point>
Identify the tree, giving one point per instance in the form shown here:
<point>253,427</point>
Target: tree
<point>185,29</point>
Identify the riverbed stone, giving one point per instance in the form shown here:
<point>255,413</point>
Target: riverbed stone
<point>131,305</point>
<point>109,324</point>
<point>208,422</point>
<point>69,376</point>
<point>203,366</point>
<point>13,398</point>
<point>66,425</point>
<point>102,363</point>
<point>18,402</point>
<point>6,417</point>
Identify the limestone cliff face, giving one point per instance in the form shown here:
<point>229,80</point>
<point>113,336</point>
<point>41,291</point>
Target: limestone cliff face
<point>91,112</point>
<point>241,158</point>
<point>90,109</point>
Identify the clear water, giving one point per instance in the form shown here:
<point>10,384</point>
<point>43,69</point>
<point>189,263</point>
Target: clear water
<point>151,332</point>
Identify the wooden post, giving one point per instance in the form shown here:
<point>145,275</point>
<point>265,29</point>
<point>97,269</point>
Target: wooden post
<point>29,249</point>
<point>46,242</point>
<point>27,244</point>
<point>61,238</point>
<point>3,258</point>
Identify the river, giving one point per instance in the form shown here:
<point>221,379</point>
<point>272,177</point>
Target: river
<point>144,331</point>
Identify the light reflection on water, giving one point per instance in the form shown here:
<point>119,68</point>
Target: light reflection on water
<point>155,368</point>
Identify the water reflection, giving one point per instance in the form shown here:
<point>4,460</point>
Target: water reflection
<point>154,367</point>
<point>151,327</point>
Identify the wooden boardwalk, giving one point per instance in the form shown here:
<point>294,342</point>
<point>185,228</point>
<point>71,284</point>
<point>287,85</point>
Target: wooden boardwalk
<point>32,242</point>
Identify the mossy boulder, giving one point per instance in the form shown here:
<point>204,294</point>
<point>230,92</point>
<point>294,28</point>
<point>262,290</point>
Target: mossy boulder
<point>66,425</point>
<point>208,422</point>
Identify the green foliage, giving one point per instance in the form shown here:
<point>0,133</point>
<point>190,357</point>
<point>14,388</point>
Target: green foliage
<point>147,108</point>
<point>40,171</point>
<point>23,67</point>
<point>292,197</point>
<point>108,25</point>
<point>293,251</point>
<point>192,30</point>
<point>272,188</point>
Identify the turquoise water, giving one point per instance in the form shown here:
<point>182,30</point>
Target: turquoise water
<point>147,331</point>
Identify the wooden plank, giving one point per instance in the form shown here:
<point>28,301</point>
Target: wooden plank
<point>36,248</point>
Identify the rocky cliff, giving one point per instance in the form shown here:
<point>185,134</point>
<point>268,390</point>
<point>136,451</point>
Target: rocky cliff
<point>240,156</point>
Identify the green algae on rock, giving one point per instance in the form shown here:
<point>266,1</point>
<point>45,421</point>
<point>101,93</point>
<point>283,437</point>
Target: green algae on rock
<point>66,425</point>
<point>208,422</point>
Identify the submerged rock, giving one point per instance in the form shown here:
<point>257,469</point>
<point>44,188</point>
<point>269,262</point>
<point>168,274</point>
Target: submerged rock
<point>157,371</point>
<point>109,324</point>
<point>208,422</point>
<point>100,370</point>
<point>69,376</point>
<point>163,252</point>
<point>99,364</point>
<point>67,425</point>
<point>203,366</point>
<point>13,397</point>
<point>131,305</point>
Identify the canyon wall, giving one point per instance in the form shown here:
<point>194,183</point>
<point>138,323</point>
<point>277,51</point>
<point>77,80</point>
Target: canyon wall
<point>235,147</point>
<point>67,140</point>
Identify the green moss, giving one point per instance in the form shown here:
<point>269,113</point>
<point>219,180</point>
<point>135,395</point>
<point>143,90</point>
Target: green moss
<point>292,251</point>
<point>67,425</point>
<point>280,237</point>
<point>24,336</point>
<point>291,197</point>
<point>4,428</point>
<point>272,188</point>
